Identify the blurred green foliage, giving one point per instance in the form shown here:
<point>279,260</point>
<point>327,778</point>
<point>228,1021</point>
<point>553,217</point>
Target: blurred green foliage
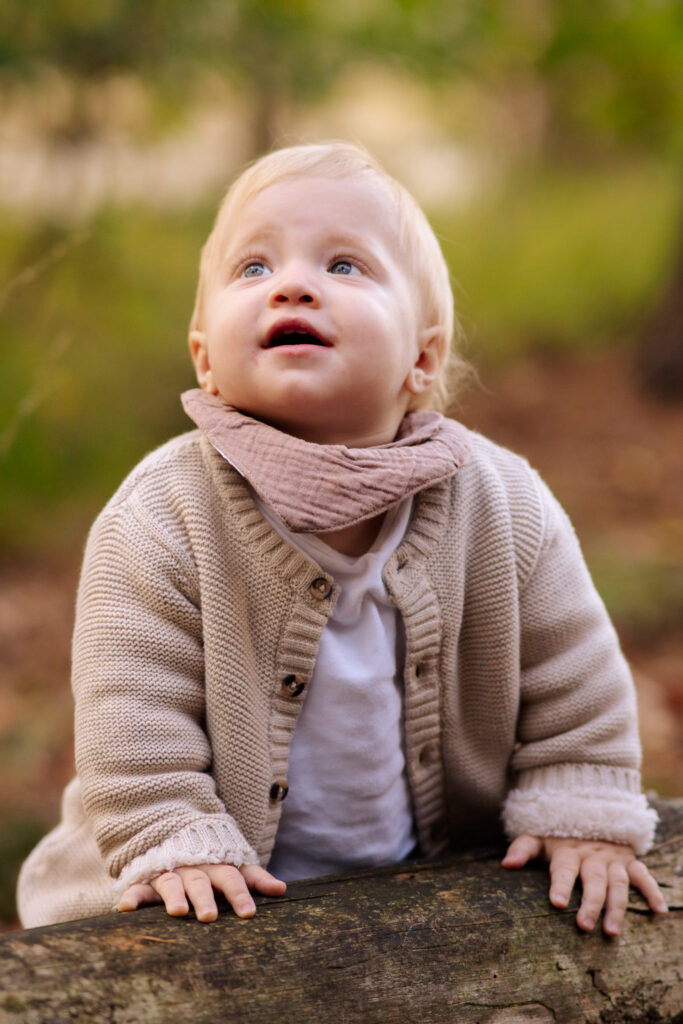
<point>611,72</point>
<point>563,259</point>
<point>644,595</point>
<point>99,340</point>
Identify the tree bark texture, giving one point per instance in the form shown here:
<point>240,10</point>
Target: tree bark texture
<point>462,942</point>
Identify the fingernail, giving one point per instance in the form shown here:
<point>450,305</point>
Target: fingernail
<point>246,907</point>
<point>588,923</point>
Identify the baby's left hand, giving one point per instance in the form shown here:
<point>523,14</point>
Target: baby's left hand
<point>605,870</point>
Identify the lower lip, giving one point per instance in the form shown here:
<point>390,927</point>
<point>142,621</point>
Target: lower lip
<point>293,350</point>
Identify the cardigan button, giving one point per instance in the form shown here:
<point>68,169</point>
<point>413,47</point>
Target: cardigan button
<point>292,685</point>
<point>429,754</point>
<point>320,588</point>
<point>279,790</point>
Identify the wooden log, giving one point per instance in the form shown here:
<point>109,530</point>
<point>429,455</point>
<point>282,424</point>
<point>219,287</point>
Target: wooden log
<point>462,942</point>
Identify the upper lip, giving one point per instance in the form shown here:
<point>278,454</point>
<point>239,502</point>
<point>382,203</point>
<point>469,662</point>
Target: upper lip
<point>294,325</point>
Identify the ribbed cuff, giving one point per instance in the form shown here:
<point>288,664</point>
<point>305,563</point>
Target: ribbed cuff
<point>582,802</point>
<point>206,841</point>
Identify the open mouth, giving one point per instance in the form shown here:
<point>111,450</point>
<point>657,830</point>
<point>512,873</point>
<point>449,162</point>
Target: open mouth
<point>294,338</point>
<point>294,335</point>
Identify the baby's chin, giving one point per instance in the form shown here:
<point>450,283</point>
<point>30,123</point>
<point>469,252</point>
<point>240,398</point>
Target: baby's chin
<point>322,421</point>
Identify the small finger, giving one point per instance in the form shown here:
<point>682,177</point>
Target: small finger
<point>564,869</point>
<point>521,850</point>
<point>137,896</point>
<point>262,881</point>
<point>199,888</point>
<point>230,882</point>
<point>642,880</point>
<point>172,891</point>
<point>594,881</point>
<point>617,899</point>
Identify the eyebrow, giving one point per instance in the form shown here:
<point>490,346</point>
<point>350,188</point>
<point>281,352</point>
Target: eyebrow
<point>256,238</point>
<point>341,238</point>
<point>351,238</point>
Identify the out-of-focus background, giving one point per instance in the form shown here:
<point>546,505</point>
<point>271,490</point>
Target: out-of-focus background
<point>543,137</point>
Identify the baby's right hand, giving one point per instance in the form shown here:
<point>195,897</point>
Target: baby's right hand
<point>173,887</point>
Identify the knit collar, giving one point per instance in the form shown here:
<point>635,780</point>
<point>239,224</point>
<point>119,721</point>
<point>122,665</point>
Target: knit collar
<point>317,488</point>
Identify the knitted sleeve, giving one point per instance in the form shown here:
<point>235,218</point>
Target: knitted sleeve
<point>578,754</point>
<point>142,755</point>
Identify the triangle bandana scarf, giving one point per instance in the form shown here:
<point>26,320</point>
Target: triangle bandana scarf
<point>317,488</point>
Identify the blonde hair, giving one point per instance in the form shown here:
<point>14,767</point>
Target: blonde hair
<point>419,246</point>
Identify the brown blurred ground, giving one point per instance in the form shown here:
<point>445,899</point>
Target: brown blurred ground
<point>610,453</point>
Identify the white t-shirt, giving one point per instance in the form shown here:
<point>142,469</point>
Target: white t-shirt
<point>349,803</point>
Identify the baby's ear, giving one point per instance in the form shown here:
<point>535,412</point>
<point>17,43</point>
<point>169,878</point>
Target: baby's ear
<point>200,357</point>
<point>431,343</point>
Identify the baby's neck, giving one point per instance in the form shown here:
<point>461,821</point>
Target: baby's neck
<point>354,540</point>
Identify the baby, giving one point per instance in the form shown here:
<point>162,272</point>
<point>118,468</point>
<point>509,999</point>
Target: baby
<point>330,593</point>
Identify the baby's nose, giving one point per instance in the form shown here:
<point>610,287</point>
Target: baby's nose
<point>295,286</point>
<point>289,296</point>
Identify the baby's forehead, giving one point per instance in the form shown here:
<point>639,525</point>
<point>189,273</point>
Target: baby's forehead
<point>239,214</point>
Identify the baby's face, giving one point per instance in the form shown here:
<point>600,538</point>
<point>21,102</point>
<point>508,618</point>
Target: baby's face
<point>311,323</point>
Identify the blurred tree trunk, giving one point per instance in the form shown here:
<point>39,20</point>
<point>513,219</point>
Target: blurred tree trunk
<point>660,352</point>
<point>264,124</point>
<point>269,86</point>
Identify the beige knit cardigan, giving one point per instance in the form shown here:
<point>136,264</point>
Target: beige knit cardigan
<point>196,634</point>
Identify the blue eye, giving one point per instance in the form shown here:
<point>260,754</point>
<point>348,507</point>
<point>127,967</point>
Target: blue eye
<point>255,269</point>
<point>344,267</point>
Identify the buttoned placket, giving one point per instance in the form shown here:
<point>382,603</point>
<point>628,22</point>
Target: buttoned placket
<point>423,755</point>
<point>293,684</point>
